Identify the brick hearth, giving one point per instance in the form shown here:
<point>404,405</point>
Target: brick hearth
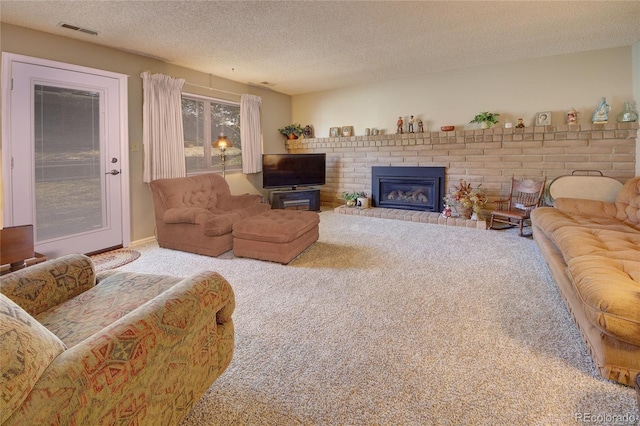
<point>412,216</point>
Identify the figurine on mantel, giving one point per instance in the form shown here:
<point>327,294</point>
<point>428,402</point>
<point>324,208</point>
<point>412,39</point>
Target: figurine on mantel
<point>399,125</point>
<point>420,126</point>
<point>601,114</point>
<point>520,124</point>
<point>410,130</point>
<point>572,116</point>
<point>307,131</point>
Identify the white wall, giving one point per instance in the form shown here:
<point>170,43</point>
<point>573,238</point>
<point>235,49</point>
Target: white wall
<point>514,89</point>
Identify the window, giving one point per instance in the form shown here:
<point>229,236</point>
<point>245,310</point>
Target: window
<point>204,119</point>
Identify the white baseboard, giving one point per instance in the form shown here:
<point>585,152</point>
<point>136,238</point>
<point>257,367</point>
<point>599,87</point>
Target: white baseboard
<point>142,241</point>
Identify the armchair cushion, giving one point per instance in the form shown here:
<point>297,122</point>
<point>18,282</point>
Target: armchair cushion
<point>26,351</point>
<point>186,215</point>
<point>50,283</point>
<point>109,301</point>
<point>230,202</point>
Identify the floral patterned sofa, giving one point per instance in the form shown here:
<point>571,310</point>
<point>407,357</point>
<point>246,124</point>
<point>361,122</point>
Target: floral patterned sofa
<point>593,252</point>
<point>109,348</point>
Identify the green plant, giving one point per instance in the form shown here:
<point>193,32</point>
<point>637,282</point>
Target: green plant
<point>292,129</point>
<point>486,117</point>
<point>352,196</point>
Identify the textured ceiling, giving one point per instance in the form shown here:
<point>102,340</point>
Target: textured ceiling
<point>308,46</point>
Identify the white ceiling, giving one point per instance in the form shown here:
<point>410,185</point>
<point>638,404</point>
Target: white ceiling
<point>308,46</point>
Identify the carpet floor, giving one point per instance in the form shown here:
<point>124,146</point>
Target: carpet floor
<point>386,322</point>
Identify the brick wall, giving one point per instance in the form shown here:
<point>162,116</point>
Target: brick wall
<point>488,156</point>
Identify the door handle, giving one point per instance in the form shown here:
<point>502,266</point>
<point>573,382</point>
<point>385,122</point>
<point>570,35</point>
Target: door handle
<point>113,172</point>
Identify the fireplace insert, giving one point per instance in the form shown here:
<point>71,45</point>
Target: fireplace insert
<point>408,188</point>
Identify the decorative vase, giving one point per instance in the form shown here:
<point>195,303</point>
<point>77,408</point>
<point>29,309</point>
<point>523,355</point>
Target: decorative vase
<point>351,203</point>
<point>463,212</point>
<point>362,203</point>
<point>292,136</point>
<point>485,125</point>
<point>627,115</point>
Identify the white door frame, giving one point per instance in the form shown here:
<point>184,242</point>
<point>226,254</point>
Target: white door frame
<point>7,184</point>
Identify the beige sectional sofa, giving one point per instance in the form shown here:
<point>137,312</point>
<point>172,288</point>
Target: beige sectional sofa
<point>78,348</point>
<point>593,251</point>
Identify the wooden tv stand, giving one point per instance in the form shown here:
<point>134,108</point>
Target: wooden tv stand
<point>295,199</point>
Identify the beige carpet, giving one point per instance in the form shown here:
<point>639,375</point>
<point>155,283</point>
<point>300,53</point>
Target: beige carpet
<point>385,322</point>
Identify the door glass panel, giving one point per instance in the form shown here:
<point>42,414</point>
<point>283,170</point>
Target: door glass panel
<point>68,177</point>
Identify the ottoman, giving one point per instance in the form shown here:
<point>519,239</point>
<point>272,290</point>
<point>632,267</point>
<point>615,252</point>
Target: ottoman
<point>275,235</point>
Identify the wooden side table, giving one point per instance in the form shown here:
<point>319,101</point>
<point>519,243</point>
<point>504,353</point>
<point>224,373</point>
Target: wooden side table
<point>16,249</point>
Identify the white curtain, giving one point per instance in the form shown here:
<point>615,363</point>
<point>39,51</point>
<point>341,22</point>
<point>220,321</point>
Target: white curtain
<point>250,133</point>
<point>162,132</point>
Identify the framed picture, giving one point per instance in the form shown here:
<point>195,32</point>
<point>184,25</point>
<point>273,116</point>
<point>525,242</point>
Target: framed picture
<point>334,132</point>
<point>543,118</point>
<point>346,131</point>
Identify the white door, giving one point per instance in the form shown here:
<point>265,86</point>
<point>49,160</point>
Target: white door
<point>66,169</point>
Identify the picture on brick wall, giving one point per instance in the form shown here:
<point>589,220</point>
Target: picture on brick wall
<point>543,118</point>
<point>346,131</point>
<point>334,132</point>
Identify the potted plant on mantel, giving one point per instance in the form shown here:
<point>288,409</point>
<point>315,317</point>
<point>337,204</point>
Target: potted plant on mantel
<point>486,119</point>
<point>292,131</point>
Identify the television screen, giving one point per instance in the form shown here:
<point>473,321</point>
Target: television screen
<point>292,170</point>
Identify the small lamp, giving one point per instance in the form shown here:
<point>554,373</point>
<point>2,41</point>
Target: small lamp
<point>222,144</point>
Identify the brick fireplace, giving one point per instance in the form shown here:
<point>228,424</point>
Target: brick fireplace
<point>489,156</point>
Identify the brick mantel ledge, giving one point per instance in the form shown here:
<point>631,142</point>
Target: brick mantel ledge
<point>497,134</point>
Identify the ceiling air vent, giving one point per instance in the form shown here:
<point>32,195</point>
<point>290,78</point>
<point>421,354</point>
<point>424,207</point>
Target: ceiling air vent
<point>75,28</point>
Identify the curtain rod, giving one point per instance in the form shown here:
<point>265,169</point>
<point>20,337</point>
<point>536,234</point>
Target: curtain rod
<point>206,87</point>
<point>211,88</point>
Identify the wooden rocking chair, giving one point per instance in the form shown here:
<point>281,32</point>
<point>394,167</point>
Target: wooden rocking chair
<point>524,196</point>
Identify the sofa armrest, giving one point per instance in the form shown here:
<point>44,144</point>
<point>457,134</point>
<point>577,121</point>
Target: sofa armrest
<point>45,285</point>
<point>230,202</point>
<point>186,215</point>
<point>142,365</point>
<point>586,207</point>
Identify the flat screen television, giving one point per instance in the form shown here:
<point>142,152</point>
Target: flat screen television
<point>293,170</point>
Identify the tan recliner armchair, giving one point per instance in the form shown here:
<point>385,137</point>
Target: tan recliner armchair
<point>196,214</point>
